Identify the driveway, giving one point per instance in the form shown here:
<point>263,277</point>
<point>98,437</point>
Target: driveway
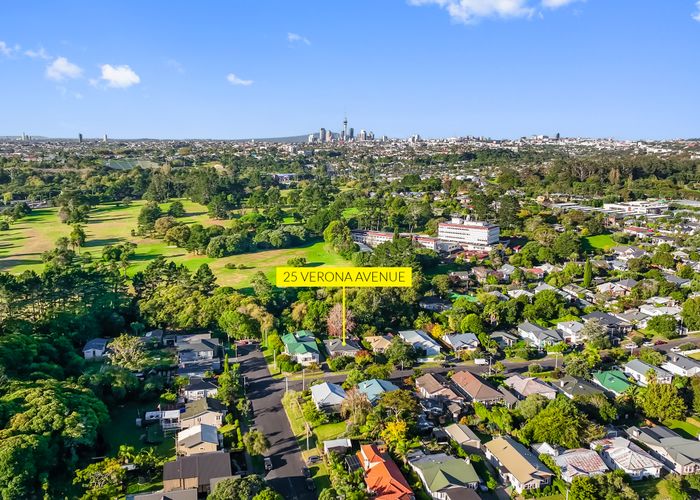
<point>265,395</point>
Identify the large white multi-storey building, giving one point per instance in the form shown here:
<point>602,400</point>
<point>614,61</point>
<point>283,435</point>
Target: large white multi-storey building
<point>472,235</point>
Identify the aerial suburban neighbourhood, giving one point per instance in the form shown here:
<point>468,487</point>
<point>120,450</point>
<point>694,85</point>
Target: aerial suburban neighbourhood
<point>232,269</point>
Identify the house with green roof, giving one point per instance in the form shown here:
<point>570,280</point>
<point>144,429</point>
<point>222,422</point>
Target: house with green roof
<point>441,473</point>
<point>301,347</point>
<point>613,381</point>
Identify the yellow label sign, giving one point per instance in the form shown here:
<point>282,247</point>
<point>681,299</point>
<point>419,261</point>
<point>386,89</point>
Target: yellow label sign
<point>344,276</point>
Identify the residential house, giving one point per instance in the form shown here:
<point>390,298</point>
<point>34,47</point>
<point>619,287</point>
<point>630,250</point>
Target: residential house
<point>638,369</point>
<point>614,325</point>
<point>580,462</point>
<point>464,437</point>
<point>301,347</point>
<point>505,339</point>
<point>201,438</point>
<point>462,342</point>
<point>374,388</point>
<point>676,280</point>
<point>678,454</point>
<point>538,336</point>
<point>434,303</point>
<point>421,342</point>
<point>517,465</point>
<point>378,343</point>
<point>633,317</point>
<point>623,454</point>
<point>482,273</point>
<point>476,389</point>
<point>620,288</point>
<point>382,476</point>
<point>572,387</point>
<point>327,396</point>
<point>95,348</point>
<point>196,471</point>
<point>613,381</point>
<point>661,310</point>
<point>339,446</point>
<point>524,386</point>
<point>198,354</point>
<point>684,366</point>
<point>545,448</point>
<point>335,347</point>
<point>203,411</point>
<point>435,386</point>
<point>154,338</point>
<point>199,388</point>
<point>441,473</point>
<point>571,332</point>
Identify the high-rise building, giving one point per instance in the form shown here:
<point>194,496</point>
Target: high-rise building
<point>352,133</point>
<point>104,138</point>
<point>363,135</point>
<point>80,137</point>
<point>322,135</point>
<point>329,136</point>
<point>311,138</point>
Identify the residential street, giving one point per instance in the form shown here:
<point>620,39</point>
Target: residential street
<point>265,394</point>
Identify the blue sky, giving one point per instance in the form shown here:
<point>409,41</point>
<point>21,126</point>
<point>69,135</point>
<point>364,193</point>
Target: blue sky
<point>263,68</point>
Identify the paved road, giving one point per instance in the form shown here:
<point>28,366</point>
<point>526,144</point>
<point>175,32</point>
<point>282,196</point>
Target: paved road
<point>265,394</point>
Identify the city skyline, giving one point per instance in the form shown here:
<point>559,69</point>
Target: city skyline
<point>438,68</point>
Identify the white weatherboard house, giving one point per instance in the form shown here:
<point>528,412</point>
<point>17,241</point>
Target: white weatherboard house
<point>95,349</point>
<point>638,370</point>
<point>421,341</point>
<point>623,454</point>
<point>327,396</point>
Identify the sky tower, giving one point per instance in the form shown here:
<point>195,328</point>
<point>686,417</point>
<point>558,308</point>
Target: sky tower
<point>345,128</point>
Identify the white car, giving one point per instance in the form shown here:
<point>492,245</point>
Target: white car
<point>675,349</point>
<point>648,344</point>
<point>481,361</point>
<point>631,345</point>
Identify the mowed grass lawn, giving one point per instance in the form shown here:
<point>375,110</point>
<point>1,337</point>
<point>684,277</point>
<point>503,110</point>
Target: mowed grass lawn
<point>598,242</point>
<point>21,247</point>
<point>684,428</point>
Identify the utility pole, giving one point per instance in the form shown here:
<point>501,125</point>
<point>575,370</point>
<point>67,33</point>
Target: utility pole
<point>303,380</point>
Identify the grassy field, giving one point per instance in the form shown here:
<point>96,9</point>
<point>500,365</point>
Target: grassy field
<point>123,430</point>
<point>651,489</point>
<point>598,242</point>
<point>684,428</point>
<point>21,247</point>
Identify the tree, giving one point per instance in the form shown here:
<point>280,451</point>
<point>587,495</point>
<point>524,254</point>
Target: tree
<point>238,325</point>
<point>587,274</point>
<point>400,404</point>
<point>532,405</point>
<point>255,442</point>
<point>339,237</point>
<point>441,283</point>
<point>355,407</point>
<point>651,356</point>
<point>176,209</point>
<point>335,321</point>
<point>148,216</point>
<point>664,325</point>
<point>101,480</point>
<point>597,334</point>
<point>204,280</point>
<point>560,423</point>
<point>312,414</point>
<point>242,488</point>
<point>691,313</point>
<point>661,401</point>
<point>395,434</point>
<point>400,353</point>
<point>77,236</point>
<point>262,287</point>
<point>602,487</point>
<point>268,494</point>
<point>128,352</point>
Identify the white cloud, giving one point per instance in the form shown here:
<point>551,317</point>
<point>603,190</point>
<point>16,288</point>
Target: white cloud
<point>120,77</point>
<point>5,49</point>
<point>297,38</point>
<point>37,54</point>
<point>62,69</point>
<point>234,80</point>
<point>696,15</point>
<point>470,11</point>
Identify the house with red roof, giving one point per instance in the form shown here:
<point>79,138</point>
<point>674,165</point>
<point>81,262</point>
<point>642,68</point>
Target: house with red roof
<point>382,476</point>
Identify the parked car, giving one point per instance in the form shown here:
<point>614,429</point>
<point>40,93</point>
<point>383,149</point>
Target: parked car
<point>660,342</point>
<point>675,349</point>
<point>630,345</point>
<point>306,472</point>
<point>313,459</point>
<point>481,361</point>
<point>648,344</point>
<point>268,463</point>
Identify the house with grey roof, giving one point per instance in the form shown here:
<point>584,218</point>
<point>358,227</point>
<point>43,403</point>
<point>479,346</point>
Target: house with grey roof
<point>201,438</point>
<point>464,437</point>
<point>524,386</point>
<point>424,344</point>
<point>571,331</point>
<point>678,454</point>
<point>462,342</point>
<point>327,396</point>
<point>95,348</point>
<point>623,454</point>
<point>538,336</point>
<point>638,370</point>
<point>681,365</point>
<point>198,471</point>
<point>572,387</point>
<point>335,347</point>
